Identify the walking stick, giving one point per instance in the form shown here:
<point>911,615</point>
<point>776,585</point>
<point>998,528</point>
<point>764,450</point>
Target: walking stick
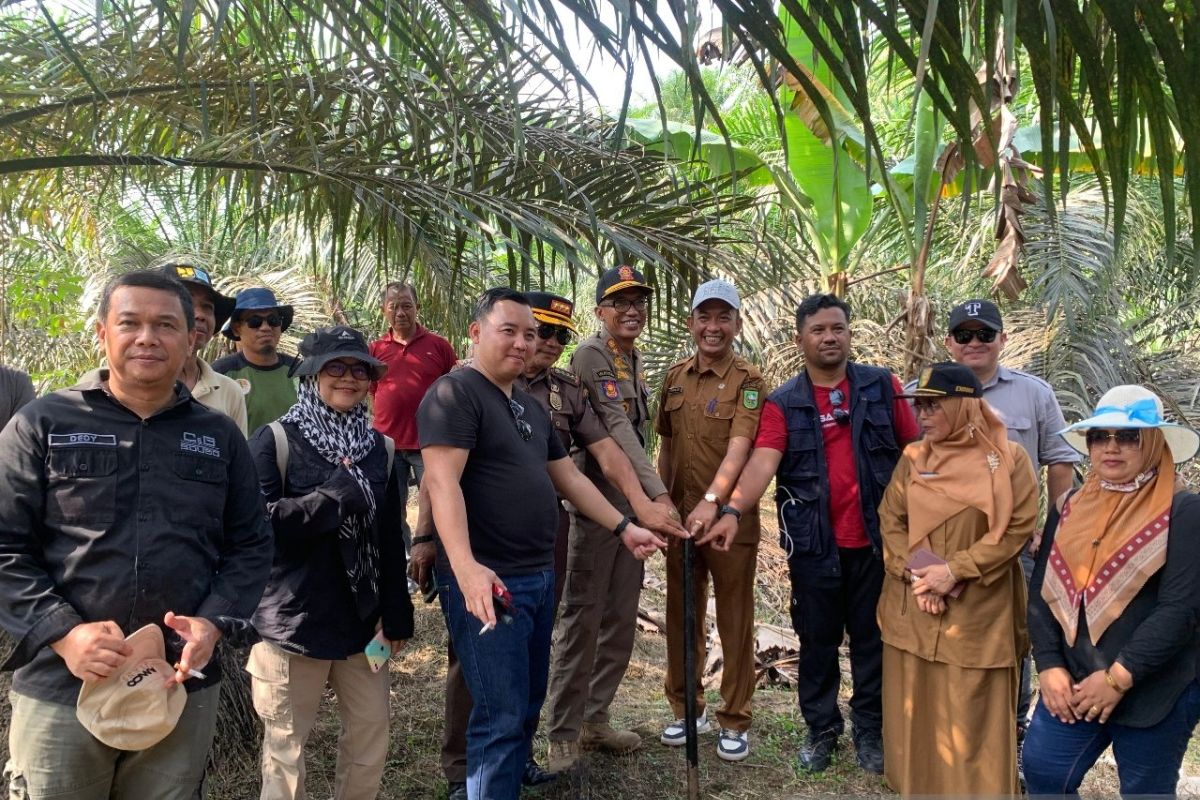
<point>689,670</point>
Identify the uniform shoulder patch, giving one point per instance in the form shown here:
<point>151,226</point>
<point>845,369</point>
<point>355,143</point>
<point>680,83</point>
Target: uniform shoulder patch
<point>610,389</point>
<point>565,375</point>
<point>750,398</point>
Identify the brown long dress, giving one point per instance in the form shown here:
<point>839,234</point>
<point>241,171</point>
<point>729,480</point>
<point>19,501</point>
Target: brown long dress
<point>950,681</point>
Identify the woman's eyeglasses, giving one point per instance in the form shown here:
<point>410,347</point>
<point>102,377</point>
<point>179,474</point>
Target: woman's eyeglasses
<point>965,335</point>
<point>336,369</point>
<point>926,406</point>
<point>548,331</point>
<point>255,322</point>
<point>838,399</point>
<point>623,305</point>
<point>1124,437</point>
<point>518,412</point>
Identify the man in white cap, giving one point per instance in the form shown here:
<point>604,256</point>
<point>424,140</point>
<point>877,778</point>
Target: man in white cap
<point>708,412</point>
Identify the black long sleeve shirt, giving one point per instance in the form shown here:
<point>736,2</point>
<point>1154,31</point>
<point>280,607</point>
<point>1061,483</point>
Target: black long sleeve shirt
<point>106,516</point>
<point>1157,636</point>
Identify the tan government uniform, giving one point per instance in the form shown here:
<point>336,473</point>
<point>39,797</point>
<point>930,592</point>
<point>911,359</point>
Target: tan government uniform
<point>593,638</point>
<point>575,421</point>
<point>950,681</point>
<point>701,410</point>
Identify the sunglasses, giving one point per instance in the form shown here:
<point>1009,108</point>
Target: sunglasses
<point>840,415</point>
<point>623,305</point>
<point>255,322</point>
<point>547,331</point>
<point>1124,437</point>
<point>965,335</point>
<point>518,412</point>
<point>336,369</point>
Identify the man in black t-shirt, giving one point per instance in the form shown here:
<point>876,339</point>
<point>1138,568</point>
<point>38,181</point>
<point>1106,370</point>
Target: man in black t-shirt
<point>493,468</point>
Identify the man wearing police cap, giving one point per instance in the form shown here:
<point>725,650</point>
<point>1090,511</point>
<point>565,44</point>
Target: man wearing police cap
<point>600,600</point>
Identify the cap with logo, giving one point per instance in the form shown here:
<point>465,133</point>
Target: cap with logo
<point>618,279</point>
<point>946,379</point>
<point>716,290</point>
<point>189,273</point>
<point>134,708</point>
<point>552,309</point>
<point>257,299</point>
<point>339,341</point>
<point>982,311</point>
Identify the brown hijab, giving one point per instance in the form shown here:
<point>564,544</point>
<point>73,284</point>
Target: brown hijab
<point>1110,540</point>
<point>970,468</point>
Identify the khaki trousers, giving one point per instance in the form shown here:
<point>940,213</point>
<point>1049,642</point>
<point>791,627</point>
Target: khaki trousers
<point>52,755</point>
<point>733,586</point>
<point>596,626</point>
<point>287,690</point>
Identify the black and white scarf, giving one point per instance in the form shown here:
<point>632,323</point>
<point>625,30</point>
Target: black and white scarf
<point>339,436</point>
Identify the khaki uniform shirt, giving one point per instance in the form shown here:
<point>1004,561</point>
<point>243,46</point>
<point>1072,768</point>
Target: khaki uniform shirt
<point>562,394</point>
<point>618,392</point>
<point>701,410</point>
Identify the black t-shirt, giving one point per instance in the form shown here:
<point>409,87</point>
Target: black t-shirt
<point>512,508</point>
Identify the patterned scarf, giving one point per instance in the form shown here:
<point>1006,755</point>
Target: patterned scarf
<point>339,437</point>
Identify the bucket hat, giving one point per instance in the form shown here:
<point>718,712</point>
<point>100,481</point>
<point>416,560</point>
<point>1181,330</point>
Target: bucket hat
<point>189,273</point>
<point>1132,406</point>
<point>340,341</point>
<point>257,299</point>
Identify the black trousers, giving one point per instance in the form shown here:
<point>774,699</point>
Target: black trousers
<point>822,617</point>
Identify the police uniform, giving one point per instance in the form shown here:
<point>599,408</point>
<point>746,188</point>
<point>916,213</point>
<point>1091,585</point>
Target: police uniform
<point>701,409</point>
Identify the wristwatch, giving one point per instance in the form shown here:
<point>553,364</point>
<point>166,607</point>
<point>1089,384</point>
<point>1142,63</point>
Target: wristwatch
<point>710,497</point>
<point>728,509</point>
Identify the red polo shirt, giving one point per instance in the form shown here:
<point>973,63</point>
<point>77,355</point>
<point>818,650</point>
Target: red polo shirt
<point>412,369</point>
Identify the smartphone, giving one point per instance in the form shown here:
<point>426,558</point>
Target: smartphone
<point>378,651</point>
<point>503,603</point>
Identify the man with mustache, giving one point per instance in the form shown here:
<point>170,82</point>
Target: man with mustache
<point>256,325</point>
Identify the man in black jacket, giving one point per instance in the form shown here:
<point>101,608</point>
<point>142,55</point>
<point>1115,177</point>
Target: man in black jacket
<point>126,503</point>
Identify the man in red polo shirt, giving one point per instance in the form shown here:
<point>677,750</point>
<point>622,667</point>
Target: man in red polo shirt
<point>416,357</point>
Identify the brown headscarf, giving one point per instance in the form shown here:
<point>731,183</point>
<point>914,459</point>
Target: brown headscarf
<point>970,468</point>
<point>1110,540</point>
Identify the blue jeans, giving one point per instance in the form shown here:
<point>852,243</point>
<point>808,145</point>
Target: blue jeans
<point>1058,755</point>
<point>506,672</point>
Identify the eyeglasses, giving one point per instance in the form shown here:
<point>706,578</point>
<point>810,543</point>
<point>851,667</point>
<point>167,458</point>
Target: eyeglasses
<point>623,305</point>
<point>840,415</point>
<point>926,406</point>
<point>965,335</point>
<point>548,331</point>
<point>1124,437</point>
<point>274,320</point>
<point>518,412</point>
<point>336,369</point>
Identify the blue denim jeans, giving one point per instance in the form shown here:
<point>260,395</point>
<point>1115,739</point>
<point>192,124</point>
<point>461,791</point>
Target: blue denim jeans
<point>506,671</point>
<point>1058,755</point>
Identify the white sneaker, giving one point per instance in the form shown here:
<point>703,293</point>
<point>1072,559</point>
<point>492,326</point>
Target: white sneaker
<point>733,745</point>
<point>675,734</point>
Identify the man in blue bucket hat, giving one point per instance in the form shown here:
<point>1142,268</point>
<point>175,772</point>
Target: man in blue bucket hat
<point>257,323</point>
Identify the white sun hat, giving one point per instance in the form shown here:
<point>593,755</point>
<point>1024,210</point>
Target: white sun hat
<point>1133,407</point>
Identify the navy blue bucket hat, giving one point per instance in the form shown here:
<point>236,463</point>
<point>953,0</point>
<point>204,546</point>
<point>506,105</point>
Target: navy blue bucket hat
<point>257,299</point>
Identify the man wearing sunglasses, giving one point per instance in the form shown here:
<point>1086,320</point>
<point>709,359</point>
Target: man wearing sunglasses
<point>830,437</point>
<point>595,631</point>
<point>257,324</point>
<point>1031,413</point>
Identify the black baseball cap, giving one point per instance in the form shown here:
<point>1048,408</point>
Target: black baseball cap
<point>618,279</point>
<point>189,273</point>
<point>982,311</point>
<point>946,379</point>
<point>340,341</point>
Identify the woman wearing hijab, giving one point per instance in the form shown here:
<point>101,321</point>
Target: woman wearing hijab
<point>338,580</point>
<point>1114,606</point>
<point>959,509</point>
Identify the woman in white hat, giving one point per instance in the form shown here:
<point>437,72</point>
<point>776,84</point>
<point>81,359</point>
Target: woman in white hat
<point>1115,605</point>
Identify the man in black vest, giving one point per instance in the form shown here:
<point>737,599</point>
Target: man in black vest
<point>830,437</point>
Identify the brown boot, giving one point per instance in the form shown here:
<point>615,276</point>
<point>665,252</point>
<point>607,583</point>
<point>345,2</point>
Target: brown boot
<point>602,736</point>
<point>561,756</point>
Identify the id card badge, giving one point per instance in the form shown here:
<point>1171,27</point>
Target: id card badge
<point>378,651</point>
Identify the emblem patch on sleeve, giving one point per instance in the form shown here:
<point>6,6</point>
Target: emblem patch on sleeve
<point>750,398</point>
<point>610,389</point>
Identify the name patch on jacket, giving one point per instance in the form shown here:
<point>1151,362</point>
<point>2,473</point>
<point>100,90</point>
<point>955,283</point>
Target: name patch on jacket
<point>77,439</point>
<point>195,443</point>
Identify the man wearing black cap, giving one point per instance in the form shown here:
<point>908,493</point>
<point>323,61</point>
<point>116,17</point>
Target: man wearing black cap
<point>257,324</point>
<point>594,635</point>
<point>1030,411</point>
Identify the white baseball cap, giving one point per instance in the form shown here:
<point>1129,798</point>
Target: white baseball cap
<point>716,290</point>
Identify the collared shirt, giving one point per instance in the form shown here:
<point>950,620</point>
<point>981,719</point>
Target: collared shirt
<point>108,516</point>
<point>412,369</point>
<point>562,395</point>
<point>701,410</point>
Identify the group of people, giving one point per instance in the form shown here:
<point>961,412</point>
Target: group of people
<point>139,528</point>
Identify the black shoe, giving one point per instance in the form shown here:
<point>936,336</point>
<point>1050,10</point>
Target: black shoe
<point>534,775</point>
<point>869,747</point>
<point>458,790</point>
<point>818,753</point>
